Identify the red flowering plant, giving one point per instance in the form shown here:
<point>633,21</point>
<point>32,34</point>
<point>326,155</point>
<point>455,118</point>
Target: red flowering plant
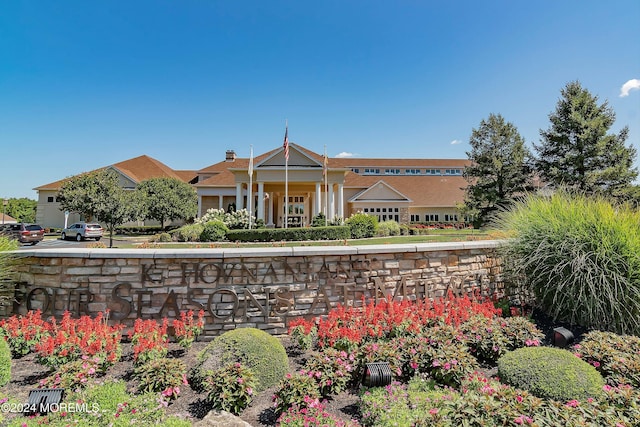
<point>348,328</point>
<point>70,339</point>
<point>22,333</point>
<point>149,339</point>
<point>186,329</point>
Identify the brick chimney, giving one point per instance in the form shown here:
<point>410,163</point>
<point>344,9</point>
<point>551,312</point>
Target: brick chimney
<point>231,156</point>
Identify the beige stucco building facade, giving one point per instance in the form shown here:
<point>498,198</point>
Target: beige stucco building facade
<point>404,190</point>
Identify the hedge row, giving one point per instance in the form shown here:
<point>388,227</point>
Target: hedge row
<point>290,234</point>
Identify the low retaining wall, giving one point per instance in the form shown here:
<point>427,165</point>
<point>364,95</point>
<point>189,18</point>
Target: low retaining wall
<point>263,288</point>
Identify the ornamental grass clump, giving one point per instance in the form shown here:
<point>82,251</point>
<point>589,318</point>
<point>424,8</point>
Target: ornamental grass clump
<point>550,373</point>
<point>579,256</point>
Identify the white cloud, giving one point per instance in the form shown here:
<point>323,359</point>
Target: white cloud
<point>456,142</point>
<point>345,154</point>
<point>629,86</point>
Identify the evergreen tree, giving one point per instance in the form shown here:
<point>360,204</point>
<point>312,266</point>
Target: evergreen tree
<point>576,151</point>
<point>499,169</point>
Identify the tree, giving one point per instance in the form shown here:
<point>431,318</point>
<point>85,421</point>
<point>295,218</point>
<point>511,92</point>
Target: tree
<point>98,195</point>
<point>167,199</point>
<point>576,151</point>
<point>22,209</point>
<point>499,171</point>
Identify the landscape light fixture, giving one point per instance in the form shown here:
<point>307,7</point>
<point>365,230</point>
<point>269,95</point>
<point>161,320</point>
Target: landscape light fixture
<point>44,400</point>
<point>377,374</point>
<point>562,337</point>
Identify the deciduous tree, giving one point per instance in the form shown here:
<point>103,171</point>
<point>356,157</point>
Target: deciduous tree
<point>167,199</point>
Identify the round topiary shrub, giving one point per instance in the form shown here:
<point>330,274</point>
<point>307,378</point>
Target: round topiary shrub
<point>5,362</point>
<point>550,373</point>
<point>262,353</point>
<point>214,231</point>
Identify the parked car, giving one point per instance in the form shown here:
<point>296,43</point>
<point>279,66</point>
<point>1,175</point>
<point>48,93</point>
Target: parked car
<point>83,230</point>
<point>23,232</point>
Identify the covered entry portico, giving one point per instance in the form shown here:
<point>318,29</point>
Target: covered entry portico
<point>309,192</point>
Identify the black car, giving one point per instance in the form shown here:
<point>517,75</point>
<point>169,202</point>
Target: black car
<point>22,232</point>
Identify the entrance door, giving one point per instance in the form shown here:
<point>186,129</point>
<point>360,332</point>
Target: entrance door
<point>296,211</point>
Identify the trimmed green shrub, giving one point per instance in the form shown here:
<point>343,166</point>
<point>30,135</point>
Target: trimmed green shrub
<point>188,233</point>
<point>289,234</point>
<point>262,353</point>
<point>5,362</point>
<point>388,228</point>
<point>362,225</point>
<point>579,256</point>
<point>551,373</point>
<point>213,231</point>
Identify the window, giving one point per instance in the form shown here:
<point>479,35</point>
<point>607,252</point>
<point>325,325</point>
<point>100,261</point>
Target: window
<point>412,171</point>
<point>449,218</point>
<point>50,199</point>
<point>431,217</point>
<point>453,171</point>
<point>433,172</point>
<point>366,210</point>
<point>371,171</point>
<point>392,171</point>
<point>415,218</point>
<point>356,170</point>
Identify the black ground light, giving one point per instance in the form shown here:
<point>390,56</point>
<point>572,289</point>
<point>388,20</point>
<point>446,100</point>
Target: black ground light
<point>562,337</point>
<point>377,374</point>
<point>44,400</point>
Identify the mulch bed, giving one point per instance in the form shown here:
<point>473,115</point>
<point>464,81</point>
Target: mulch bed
<point>26,374</point>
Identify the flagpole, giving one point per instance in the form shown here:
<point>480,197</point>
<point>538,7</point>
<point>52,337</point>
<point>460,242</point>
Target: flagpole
<point>326,187</point>
<point>250,171</point>
<point>286,175</point>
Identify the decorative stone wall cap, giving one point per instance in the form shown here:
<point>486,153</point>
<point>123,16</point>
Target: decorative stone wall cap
<point>98,253</point>
<point>324,250</point>
<point>386,249</point>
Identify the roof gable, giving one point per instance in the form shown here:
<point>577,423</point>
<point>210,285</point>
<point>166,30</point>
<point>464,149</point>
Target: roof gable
<point>297,157</point>
<point>380,191</point>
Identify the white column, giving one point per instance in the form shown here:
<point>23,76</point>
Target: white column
<point>332,206</point>
<point>220,205</point>
<point>199,207</point>
<point>318,203</point>
<point>271,196</point>
<point>341,201</point>
<point>261,200</point>
<point>239,198</point>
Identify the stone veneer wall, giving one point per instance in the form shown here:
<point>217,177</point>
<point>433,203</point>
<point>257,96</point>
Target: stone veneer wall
<point>263,288</point>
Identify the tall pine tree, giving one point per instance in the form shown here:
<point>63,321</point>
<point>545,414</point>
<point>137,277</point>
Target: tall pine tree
<point>576,151</point>
<point>499,171</point>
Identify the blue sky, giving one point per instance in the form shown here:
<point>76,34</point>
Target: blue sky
<point>88,84</point>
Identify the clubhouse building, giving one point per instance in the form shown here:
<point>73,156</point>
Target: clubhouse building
<point>404,190</point>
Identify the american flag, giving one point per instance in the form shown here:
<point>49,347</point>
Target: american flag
<point>286,143</point>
